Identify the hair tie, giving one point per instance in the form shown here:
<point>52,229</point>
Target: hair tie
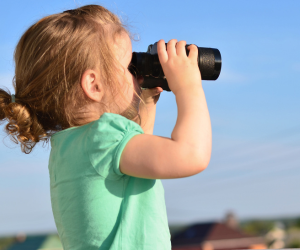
<point>13,99</point>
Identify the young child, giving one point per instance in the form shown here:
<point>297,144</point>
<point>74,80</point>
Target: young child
<point>73,86</point>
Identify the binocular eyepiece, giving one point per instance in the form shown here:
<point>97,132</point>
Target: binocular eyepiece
<point>148,65</point>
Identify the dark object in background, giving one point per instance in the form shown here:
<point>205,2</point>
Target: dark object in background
<point>148,65</point>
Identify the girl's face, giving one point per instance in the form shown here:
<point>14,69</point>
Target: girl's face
<point>123,50</point>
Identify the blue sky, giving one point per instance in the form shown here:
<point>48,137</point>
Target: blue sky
<point>254,107</point>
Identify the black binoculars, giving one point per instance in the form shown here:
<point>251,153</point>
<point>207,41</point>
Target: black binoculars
<point>148,65</point>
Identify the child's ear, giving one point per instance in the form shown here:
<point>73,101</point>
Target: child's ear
<point>91,85</point>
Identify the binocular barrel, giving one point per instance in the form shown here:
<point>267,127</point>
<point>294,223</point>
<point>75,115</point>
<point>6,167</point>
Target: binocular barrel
<point>148,65</point>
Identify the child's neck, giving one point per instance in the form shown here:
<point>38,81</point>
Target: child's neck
<point>89,113</point>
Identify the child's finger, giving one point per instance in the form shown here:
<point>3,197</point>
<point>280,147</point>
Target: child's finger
<point>180,48</point>
<point>171,48</point>
<point>193,52</point>
<point>155,91</point>
<point>158,90</point>
<point>152,92</point>
<point>161,51</point>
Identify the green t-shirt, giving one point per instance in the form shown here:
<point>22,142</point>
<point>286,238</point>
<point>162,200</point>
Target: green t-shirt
<point>95,206</point>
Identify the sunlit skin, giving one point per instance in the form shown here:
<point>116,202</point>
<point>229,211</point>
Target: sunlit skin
<point>94,89</point>
<point>150,96</point>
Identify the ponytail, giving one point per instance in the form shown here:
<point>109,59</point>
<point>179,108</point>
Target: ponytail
<point>23,126</point>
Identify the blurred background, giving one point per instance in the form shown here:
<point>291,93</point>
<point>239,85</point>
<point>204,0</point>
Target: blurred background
<point>254,173</point>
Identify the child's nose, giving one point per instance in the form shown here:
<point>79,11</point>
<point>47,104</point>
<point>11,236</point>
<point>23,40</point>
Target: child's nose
<point>140,79</point>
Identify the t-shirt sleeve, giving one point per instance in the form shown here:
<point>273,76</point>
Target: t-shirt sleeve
<point>106,139</point>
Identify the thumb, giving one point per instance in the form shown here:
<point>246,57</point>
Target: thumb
<point>151,92</point>
<point>156,91</point>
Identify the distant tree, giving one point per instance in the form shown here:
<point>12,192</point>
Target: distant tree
<point>6,242</point>
<point>257,227</point>
<point>297,222</point>
<point>294,244</point>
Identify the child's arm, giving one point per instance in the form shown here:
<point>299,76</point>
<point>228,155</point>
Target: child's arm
<point>148,119</point>
<point>188,150</point>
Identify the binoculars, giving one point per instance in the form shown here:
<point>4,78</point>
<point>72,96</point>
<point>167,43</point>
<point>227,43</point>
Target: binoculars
<point>148,65</point>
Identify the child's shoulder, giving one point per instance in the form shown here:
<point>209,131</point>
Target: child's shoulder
<point>112,121</point>
<point>111,116</point>
<point>109,125</point>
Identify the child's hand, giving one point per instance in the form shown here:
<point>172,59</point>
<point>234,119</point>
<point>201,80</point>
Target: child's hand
<point>147,112</point>
<point>182,71</point>
<point>150,96</point>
